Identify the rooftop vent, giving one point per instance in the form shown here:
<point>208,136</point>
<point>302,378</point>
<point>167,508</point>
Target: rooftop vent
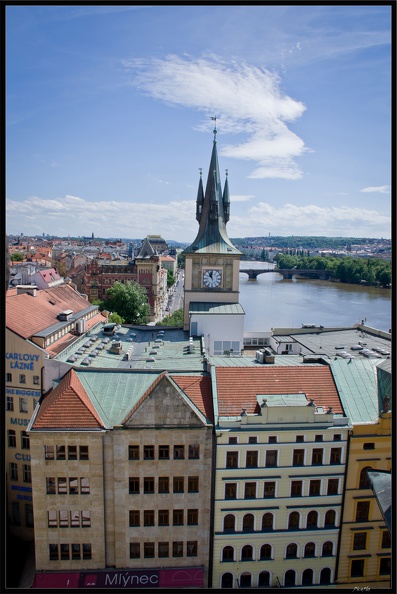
<point>29,289</point>
<point>63,316</point>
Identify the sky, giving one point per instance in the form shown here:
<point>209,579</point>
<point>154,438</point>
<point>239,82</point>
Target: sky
<point>108,118</point>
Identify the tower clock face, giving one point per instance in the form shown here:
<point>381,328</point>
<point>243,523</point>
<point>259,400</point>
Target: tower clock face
<point>212,278</point>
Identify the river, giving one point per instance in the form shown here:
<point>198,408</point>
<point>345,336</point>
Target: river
<point>272,302</point>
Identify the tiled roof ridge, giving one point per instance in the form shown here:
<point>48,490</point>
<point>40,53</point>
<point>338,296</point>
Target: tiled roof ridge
<point>144,396</point>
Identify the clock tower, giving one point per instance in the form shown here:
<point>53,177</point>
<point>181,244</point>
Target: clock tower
<point>212,263</point>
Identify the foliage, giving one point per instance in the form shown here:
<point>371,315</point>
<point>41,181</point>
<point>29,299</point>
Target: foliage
<point>170,279</point>
<point>175,319</point>
<point>16,257</point>
<point>130,301</point>
<point>181,261</point>
<point>114,317</point>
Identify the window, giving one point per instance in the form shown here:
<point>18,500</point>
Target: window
<point>266,552</point>
<point>333,486</point>
<point>85,486</point>
<point>178,484</point>
<point>64,551</point>
<point>227,554</point>
<point>246,553</point>
<point>13,471</point>
<point>62,486</point>
<point>36,380</point>
<point>148,550</point>
<point>12,439</point>
<point>364,479</point>
<point>163,517</point>
<point>193,484</point>
<point>148,484</point>
<point>264,579</point>
<point>23,405</point>
<point>73,486</point>
<point>27,473</point>
<point>231,459</point>
<point>63,519</point>
<point>53,552</point>
<point>386,539</point>
<point>252,460</point>
<point>61,452</point>
<point>314,487</point>
<point>177,549</point>
<point>293,520</point>
<point>179,452</point>
<point>300,438</point>
<point>230,490</point>
<point>10,403</point>
<point>271,458</point>
<point>133,452</point>
<point>163,549</point>
<point>337,437</point>
<point>148,452</point>
<point>50,485</point>
<point>291,551</point>
<point>164,484</point>
<point>25,441</point>
<point>76,551</point>
<point>133,485</point>
<point>317,456</point>
<point>192,517</point>
<point>357,568</point>
<point>309,549</point>
<point>229,523</point>
<point>362,511</point>
<point>75,519</point>
<point>194,452</point>
<point>52,519</point>
<point>248,522</point>
<point>385,566</point>
<point>296,488</point>
<point>8,377</point>
<point>327,549</point>
<point>267,521</point>
<point>312,519</point>
<point>177,517</point>
<point>232,440</point>
<point>191,548</point>
<point>250,491</point>
<point>134,518</point>
<point>49,452</point>
<point>318,438</point>
<point>16,514</point>
<point>368,446</point>
<point>330,518</point>
<point>298,457</point>
<point>269,489</point>
<point>359,541</point>
<point>164,453</point>
<point>72,452</point>
<point>83,452</point>
<point>253,439</point>
<point>307,577</point>
<point>336,456</point>
<point>22,378</point>
<point>135,550</point>
<point>272,439</point>
<point>148,517</point>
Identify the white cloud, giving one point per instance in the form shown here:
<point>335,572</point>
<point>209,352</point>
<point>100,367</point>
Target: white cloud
<point>246,100</point>
<point>235,198</point>
<point>379,189</point>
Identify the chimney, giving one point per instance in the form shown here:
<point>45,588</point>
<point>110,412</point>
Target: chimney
<point>29,289</point>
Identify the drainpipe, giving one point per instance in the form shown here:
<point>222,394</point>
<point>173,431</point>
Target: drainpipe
<point>342,507</point>
<point>212,509</point>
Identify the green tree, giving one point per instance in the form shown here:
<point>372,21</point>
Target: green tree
<point>170,279</point>
<point>130,301</point>
<point>181,261</point>
<point>114,317</point>
<point>16,257</point>
<point>175,319</point>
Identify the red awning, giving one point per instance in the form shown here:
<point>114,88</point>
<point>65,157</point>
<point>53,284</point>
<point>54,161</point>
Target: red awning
<point>56,580</point>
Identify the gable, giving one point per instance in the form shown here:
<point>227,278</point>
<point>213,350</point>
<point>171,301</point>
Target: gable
<point>165,405</point>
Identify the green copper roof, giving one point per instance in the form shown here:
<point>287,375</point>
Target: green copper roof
<point>212,212</point>
<point>215,308</point>
<point>357,387</point>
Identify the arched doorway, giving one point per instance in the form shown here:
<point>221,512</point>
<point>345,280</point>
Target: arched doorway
<point>227,580</point>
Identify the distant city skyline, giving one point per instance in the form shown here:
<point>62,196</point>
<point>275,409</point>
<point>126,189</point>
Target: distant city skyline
<point>109,118</point>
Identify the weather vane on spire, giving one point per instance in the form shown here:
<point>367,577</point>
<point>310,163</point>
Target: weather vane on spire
<point>214,118</point>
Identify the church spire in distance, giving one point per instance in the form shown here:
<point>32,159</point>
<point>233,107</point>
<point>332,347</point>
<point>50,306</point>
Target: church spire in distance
<point>212,211</point>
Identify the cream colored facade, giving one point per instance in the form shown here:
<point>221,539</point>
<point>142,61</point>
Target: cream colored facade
<point>365,553</point>
<point>24,363</point>
<point>253,548</point>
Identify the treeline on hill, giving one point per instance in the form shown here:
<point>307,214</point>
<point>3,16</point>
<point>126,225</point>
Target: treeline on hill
<point>303,241</point>
<point>371,271</point>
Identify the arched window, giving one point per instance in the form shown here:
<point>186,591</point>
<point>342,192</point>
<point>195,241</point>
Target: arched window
<point>245,580</point>
<point>266,551</point>
<point>325,576</point>
<point>264,579</point>
<point>291,551</point>
<point>310,548</point>
<point>312,519</point>
<point>246,553</point>
<point>293,520</point>
<point>327,549</point>
<point>289,578</point>
<point>227,554</point>
<point>229,523</point>
<point>364,480</point>
<point>307,577</point>
<point>248,522</point>
<point>227,580</point>
<point>330,518</point>
<point>267,522</point>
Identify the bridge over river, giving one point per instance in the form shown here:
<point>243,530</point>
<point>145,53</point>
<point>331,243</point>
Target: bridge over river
<point>287,273</point>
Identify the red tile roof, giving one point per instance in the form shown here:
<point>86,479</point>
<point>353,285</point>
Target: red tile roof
<point>198,389</point>
<point>67,407</point>
<point>237,388</point>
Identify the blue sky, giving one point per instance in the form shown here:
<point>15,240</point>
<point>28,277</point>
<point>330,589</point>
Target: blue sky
<point>108,118</point>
